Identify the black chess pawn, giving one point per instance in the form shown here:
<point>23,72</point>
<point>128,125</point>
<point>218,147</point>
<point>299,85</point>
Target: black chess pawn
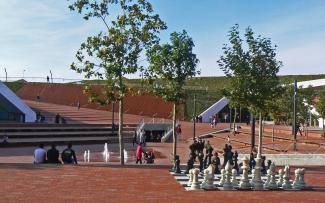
<point>177,168</point>
<point>269,162</point>
<point>190,164</point>
<point>235,160</point>
<point>263,171</point>
<point>216,163</point>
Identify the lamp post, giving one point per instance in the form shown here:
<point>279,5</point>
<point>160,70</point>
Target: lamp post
<point>294,117</point>
<point>194,118</point>
<point>51,76</point>
<point>6,74</point>
<point>113,124</point>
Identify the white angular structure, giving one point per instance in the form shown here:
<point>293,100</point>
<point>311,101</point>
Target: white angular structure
<point>212,110</point>
<point>12,108</point>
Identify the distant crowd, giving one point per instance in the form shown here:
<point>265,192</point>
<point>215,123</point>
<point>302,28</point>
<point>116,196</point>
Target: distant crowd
<point>199,146</point>
<point>52,156</point>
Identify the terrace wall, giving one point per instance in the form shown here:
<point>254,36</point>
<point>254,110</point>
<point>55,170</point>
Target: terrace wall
<point>70,94</point>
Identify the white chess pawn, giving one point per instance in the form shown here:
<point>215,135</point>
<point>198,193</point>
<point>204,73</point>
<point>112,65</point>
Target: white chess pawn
<point>266,183</point>
<point>195,181</point>
<point>227,185</point>
<point>253,177</point>
<point>258,182</point>
<point>222,179</point>
<point>280,181</point>
<point>190,180</point>
<point>234,181</point>
<point>272,185</point>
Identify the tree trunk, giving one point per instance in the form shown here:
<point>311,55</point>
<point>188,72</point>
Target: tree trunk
<point>252,131</point>
<point>174,133</point>
<point>260,134</point>
<point>323,128</point>
<point>120,131</point>
<point>234,124</point>
<point>273,132</point>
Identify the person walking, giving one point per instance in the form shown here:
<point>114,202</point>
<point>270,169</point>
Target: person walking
<point>138,153</point>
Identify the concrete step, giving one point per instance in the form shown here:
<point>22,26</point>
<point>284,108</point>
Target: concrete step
<point>62,141</point>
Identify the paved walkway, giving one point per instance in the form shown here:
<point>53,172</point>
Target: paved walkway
<point>30,183</point>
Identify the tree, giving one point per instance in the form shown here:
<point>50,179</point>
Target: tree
<point>320,107</point>
<point>170,65</point>
<point>253,75</point>
<point>115,51</point>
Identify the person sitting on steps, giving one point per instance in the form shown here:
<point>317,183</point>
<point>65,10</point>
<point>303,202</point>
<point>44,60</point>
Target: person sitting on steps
<point>68,155</point>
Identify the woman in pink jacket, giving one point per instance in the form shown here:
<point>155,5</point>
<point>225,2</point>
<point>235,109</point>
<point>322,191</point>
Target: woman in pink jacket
<point>138,154</point>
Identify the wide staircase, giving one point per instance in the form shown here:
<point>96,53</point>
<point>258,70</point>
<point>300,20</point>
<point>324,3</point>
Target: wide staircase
<point>74,116</point>
<point>83,126</point>
<point>34,134</point>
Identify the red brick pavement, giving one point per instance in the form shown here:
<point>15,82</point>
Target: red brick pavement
<point>93,183</point>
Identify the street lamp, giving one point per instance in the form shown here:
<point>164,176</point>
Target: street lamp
<point>51,76</point>
<point>194,117</point>
<point>294,117</point>
<point>6,75</point>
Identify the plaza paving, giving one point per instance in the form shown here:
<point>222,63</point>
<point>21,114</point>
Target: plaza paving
<point>22,181</point>
<point>97,183</point>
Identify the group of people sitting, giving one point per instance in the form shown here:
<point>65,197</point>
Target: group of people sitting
<point>51,156</point>
<point>197,151</point>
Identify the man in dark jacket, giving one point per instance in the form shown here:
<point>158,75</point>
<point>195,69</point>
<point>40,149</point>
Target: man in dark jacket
<point>53,155</point>
<point>69,156</point>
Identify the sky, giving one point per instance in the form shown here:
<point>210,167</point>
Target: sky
<point>39,36</point>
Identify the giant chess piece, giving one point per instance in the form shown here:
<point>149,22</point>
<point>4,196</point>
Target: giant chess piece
<point>190,165</point>
<point>299,182</point>
<point>266,183</point>
<point>222,179</point>
<point>195,181</point>
<point>177,168</point>
<point>244,181</point>
<point>253,177</point>
<point>258,183</point>
<point>208,178</point>
<point>227,185</point>
<point>272,184</point>
<point>286,178</point>
<point>280,181</point>
<point>234,181</point>
<point>302,182</point>
<point>190,180</point>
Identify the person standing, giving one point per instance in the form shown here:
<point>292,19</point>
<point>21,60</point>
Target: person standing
<point>68,155</point>
<point>53,155</point>
<point>216,163</point>
<point>179,131</point>
<point>78,105</point>
<point>138,154</point>
<point>40,155</point>
<point>57,118</point>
